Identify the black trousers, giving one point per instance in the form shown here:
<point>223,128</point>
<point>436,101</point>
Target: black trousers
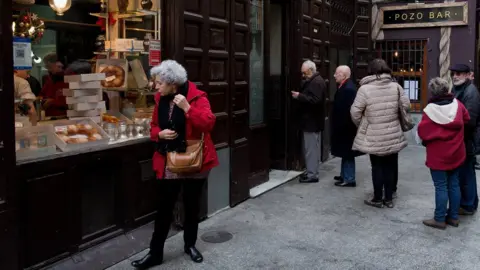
<point>168,194</point>
<point>383,175</point>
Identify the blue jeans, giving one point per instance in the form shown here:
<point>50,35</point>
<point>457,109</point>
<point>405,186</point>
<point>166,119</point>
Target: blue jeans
<point>347,171</point>
<point>468,185</point>
<point>447,191</point>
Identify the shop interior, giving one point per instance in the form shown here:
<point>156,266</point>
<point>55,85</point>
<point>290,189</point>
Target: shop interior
<point>86,65</point>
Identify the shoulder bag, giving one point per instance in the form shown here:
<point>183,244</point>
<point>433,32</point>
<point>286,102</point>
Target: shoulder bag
<point>406,121</point>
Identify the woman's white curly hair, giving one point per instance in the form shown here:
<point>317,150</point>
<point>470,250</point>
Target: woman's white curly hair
<point>170,72</point>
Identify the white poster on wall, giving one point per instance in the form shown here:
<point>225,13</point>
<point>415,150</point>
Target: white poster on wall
<point>22,53</point>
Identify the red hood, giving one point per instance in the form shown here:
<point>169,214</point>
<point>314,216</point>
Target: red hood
<point>193,92</point>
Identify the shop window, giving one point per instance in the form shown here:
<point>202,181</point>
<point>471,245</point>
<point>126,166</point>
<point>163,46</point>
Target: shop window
<point>256,63</point>
<point>407,59</point>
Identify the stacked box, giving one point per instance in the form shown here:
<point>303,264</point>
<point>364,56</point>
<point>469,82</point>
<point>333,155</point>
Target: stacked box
<point>84,96</point>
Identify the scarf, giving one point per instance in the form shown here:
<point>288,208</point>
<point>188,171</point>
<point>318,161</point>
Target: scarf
<point>176,122</point>
<point>441,100</point>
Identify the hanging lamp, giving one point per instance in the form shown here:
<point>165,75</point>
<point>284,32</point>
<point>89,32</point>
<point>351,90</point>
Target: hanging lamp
<point>60,6</point>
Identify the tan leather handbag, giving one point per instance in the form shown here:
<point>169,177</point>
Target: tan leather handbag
<point>189,162</point>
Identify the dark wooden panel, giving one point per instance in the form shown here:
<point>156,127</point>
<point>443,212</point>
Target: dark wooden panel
<point>99,191</point>
<point>362,52</point>
<point>8,239</point>
<point>239,93</point>
<point>48,213</point>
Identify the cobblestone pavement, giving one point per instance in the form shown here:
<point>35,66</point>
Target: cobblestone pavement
<point>320,226</point>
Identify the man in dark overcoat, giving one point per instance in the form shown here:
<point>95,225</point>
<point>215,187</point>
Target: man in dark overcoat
<point>343,129</point>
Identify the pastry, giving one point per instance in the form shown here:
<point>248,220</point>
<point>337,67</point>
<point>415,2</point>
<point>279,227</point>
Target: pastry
<point>115,76</point>
<point>64,138</point>
<point>61,130</point>
<point>72,129</point>
<point>95,137</point>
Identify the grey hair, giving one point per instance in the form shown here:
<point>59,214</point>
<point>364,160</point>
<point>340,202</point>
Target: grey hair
<point>310,65</point>
<point>438,86</point>
<point>170,72</point>
<point>345,70</point>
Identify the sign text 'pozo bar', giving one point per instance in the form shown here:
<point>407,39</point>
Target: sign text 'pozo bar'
<point>425,15</point>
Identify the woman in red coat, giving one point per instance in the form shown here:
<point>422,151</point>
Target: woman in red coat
<point>182,113</point>
<point>441,130</point>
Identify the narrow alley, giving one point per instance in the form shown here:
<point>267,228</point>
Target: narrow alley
<point>320,226</point>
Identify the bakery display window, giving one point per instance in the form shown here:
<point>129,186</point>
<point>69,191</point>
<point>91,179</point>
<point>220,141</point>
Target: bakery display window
<point>83,80</point>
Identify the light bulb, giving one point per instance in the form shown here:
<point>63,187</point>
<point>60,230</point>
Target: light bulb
<point>13,26</point>
<point>60,3</point>
<point>60,6</point>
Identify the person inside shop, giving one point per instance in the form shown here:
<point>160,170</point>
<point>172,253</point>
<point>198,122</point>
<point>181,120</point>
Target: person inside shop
<point>54,102</point>
<point>466,92</point>
<point>24,93</point>
<point>311,99</point>
<point>32,81</point>
<point>182,114</point>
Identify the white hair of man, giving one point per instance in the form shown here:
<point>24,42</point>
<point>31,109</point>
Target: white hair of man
<point>170,72</point>
<point>345,70</point>
<point>310,65</point>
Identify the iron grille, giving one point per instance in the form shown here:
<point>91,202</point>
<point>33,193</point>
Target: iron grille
<point>407,58</point>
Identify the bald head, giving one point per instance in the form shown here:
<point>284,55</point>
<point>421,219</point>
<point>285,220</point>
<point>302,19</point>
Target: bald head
<point>342,73</point>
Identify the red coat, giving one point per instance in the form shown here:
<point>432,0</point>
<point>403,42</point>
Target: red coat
<point>54,90</point>
<point>441,130</point>
<point>198,119</point>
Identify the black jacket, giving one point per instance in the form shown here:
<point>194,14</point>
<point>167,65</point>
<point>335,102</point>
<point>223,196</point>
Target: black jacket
<point>468,94</point>
<point>343,129</point>
<point>312,104</point>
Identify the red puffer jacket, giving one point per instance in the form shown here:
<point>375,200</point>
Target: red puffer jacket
<point>441,130</point>
<point>199,119</point>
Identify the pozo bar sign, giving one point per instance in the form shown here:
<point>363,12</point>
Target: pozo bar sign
<point>424,15</point>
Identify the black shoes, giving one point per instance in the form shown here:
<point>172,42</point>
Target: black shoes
<point>343,184</point>
<point>195,255</point>
<point>338,178</point>
<point>150,260</point>
<point>308,180</point>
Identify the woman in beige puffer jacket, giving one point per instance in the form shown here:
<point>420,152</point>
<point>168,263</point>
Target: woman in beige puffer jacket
<point>375,112</point>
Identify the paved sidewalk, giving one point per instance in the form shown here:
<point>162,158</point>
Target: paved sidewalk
<point>320,226</point>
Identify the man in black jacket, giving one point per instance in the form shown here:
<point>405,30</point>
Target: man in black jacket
<point>343,129</point>
<point>467,93</point>
<point>311,117</point>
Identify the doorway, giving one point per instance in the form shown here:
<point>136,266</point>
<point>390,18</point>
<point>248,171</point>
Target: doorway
<point>277,80</point>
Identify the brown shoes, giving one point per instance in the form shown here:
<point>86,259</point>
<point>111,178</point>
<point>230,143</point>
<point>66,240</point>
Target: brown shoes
<point>435,224</point>
<point>452,222</point>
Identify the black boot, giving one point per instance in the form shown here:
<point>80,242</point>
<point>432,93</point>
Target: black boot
<point>195,255</point>
<point>150,260</point>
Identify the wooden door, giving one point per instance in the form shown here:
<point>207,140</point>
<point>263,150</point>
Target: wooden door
<point>362,44</point>
<point>212,41</point>
<point>315,31</point>
<point>239,99</point>
<point>8,214</point>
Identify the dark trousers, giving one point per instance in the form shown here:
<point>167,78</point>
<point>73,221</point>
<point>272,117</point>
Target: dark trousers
<point>395,179</point>
<point>167,196</point>
<point>468,184</point>
<point>383,175</point>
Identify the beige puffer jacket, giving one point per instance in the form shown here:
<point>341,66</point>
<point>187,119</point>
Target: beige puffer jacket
<point>375,112</point>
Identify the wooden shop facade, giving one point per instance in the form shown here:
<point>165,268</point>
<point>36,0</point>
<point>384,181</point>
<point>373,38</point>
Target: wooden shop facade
<point>246,54</point>
<point>421,39</point>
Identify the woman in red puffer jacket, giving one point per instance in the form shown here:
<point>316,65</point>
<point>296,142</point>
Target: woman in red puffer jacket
<point>182,113</point>
<point>441,130</point>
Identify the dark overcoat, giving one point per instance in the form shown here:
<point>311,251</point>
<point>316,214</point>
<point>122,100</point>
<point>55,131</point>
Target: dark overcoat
<point>343,129</point>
